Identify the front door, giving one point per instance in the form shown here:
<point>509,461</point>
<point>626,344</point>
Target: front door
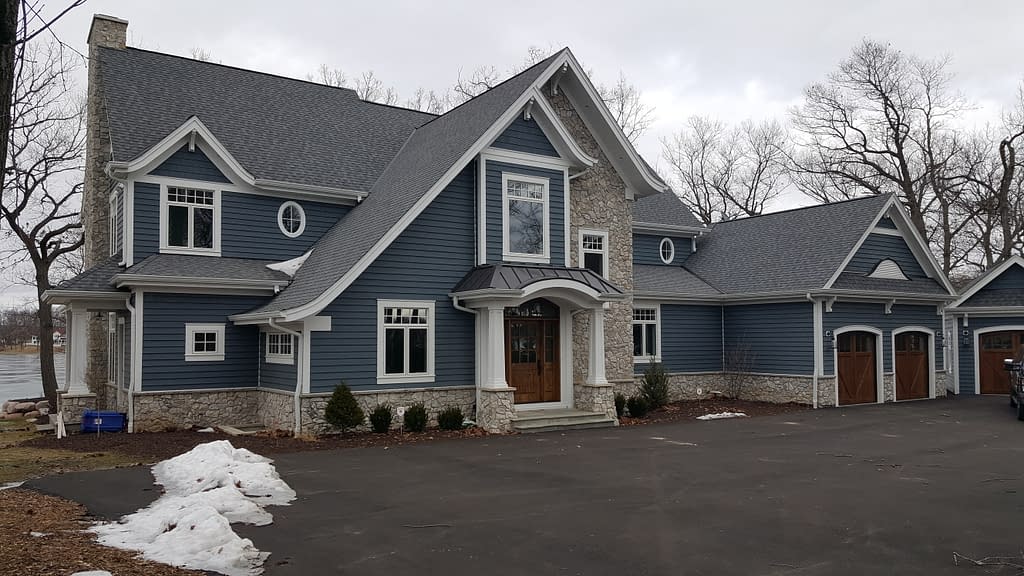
<point>856,368</point>
<point>993,348</point>
<point>531,352</point>
<point>912,371</point>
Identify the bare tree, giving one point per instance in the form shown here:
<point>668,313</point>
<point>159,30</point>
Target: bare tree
<point>42,195</point>
<point>727,172</point>
<point>626,104</point>
<point>202,55</point>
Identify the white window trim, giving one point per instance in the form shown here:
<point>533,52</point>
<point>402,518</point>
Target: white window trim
<point>661,247</point>
<point>270,358</point>
<point>302,220</point>
<point>657,330</point>
<point>424,377</point>
<point>604,253</point>
<point>167,249</point>
<point>545,257</point>
<point>112,223</point>
<point>191,355</point>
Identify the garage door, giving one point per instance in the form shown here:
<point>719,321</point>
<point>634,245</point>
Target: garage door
<point>856,368</point>
<point>912,373</point>
<point>993,348</point>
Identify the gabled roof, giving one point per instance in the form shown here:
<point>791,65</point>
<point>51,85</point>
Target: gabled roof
<point>861,283</point>
<point>794,250</point>
<point>665,209</point>
<point>668,281</point>
<point>981,294</point>
<point>278,128</point>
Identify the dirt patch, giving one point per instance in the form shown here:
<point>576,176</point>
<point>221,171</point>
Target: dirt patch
<point>691,409</point>
<point>43,536</point>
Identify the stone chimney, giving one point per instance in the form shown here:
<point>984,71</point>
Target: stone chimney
<point>106,32</point>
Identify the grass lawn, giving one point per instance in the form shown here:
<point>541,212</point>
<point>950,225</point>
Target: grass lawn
<point>18,463</point>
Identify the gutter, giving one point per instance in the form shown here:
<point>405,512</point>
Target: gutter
<point>296,397</point>
<point>195,282</point>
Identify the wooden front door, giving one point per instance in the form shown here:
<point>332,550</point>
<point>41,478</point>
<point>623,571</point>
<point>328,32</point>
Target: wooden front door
<point>856,368</point>
<point>531,352</point>
<point>993,348</point>
<point>912,372</point>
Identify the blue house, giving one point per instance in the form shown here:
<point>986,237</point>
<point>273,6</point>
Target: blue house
<point>253,241</point>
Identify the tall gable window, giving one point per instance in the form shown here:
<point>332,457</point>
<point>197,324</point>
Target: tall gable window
<point>405,341</point>
<point>526,218</point>
<point>594,251</point>
<point>190,220</point>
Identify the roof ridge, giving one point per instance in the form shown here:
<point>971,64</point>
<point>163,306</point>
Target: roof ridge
<point>800,208</point>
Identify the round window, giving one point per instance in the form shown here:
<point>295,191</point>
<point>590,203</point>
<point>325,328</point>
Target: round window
<point>668,250</point>
<point>291,219</point>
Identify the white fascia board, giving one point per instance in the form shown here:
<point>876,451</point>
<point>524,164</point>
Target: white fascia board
<point>58,296</point>
<point>557,133</point>
<point>987,278</point>
<point>652,228</point>
<point>860,242</point>
<point>320,302</point>
<point>193,282</point>
<point>918,245</point>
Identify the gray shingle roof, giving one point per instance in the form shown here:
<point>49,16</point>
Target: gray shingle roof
<point>184,266</point>
<point>516,277</point>
<point>277,128</point>
<point>995,298</point>
<point>853,281</point>
<point>664,208</point>
<point>669,280</point>
<point>431,151</point>
<point>783,251</point>
<point>95,279</point>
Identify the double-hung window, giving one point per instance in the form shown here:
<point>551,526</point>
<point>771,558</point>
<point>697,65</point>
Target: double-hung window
<point>594,251</point>
<point>405,341</point>
<point>526,218</point>
<point>190,220</point>
<point>204,342</point>
<point>645,334</point>
<point>279,348</point>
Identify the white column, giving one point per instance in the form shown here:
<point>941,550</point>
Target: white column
<point>77,350</point>
<point>595,368</point>
<point>494,348</point>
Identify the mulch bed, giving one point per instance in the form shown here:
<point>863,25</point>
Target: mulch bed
<point>691,409</point>
<point>61,546</point>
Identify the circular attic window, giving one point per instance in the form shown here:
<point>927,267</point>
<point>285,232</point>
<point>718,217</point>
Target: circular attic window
<point>291,218</point>
<point>668,250</point>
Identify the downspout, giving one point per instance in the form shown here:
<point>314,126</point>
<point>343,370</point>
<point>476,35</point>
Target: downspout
<point>817,356</point>
<point>476,348</point>
<point>131,385</point>
<point>296,397</point>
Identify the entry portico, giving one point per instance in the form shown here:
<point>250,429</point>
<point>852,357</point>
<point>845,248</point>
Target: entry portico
<point>524,339</point>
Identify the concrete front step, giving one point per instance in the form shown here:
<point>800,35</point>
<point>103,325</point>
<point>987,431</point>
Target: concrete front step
<point>547,420</point>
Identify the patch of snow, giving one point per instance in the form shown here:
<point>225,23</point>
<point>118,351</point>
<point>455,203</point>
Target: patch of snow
<point>206,430</point>
<point>722,416</point>
<point>39,534</point>
<point>93,573</point>
<point>10,485</point>
<point>290,267</point>
<point>205,490</point>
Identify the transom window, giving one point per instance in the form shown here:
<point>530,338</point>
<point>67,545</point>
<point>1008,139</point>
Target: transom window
<point>594,251</point>
<point>405,347</point>
<point>279,348</point>
<point>204,342</point>
<point>645,334</point>
<point>190,219</point>
<point>668,250</point>
<point>526,217</point>
<point>291,218</point>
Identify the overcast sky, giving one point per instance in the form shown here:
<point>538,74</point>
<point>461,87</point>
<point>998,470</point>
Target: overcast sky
<point>731,60</point>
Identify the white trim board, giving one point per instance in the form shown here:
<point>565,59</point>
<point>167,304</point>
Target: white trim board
<point>987,278</point>
<point>976,344</point>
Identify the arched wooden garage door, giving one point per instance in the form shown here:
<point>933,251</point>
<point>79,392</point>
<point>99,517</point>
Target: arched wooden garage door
<point>993,348</point>
<point>857,368</point>
<point>912,370</point>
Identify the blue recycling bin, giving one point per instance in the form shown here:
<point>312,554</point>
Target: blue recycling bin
<point>103,421</point>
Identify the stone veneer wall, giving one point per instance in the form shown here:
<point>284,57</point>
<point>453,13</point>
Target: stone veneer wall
<point>174,410</point>
<point>598,200</point>
<point>434,399</point>
<point>73,405</point>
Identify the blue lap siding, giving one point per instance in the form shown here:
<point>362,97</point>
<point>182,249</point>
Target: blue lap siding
<point>278,376</point>
<point>878,247</point>
<point>423,263</point>
<point>779,338</point>
<point>966,352</point>
<point>249,226</point>
<point>163,342</point>
<point>691,338</point>
<point>647,249</point>
<point>1004,290</point>
<point>873,315</point>
<point>525,136</point>
<point>193,165</point>
<point>556,206</point>
<point>146,228</point>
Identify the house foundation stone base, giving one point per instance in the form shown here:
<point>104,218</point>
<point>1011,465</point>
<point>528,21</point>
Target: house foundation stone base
<point>595,398</point>
<point>941,380</point>
<point>496,409</point>
<point>176,410</point>
<point>73,405</point>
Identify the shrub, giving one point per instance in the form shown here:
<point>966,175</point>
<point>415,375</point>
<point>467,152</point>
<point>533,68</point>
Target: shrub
<point>620,405</point>
<point>415,418</point>
<point>342,410</point>
<point>380,418</point>
<point>637,406</point>
<point>450,418</point>
<point>654,388</point>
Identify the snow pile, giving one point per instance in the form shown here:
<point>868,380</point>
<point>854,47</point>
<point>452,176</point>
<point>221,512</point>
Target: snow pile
<point>290,267</point>
<point>722,415</point>
<point>205,491</point>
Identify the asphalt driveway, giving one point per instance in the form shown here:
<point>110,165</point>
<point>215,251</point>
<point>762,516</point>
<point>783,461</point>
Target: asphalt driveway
<point>891,489</point>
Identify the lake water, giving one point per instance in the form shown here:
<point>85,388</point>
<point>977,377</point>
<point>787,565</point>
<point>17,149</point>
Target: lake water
<point>20,377</point>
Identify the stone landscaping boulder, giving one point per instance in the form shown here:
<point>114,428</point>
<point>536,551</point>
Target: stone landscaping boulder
<point>13,416</point>
<point>43,404</point>
<point>25,406</point>
<point>32,414</point>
